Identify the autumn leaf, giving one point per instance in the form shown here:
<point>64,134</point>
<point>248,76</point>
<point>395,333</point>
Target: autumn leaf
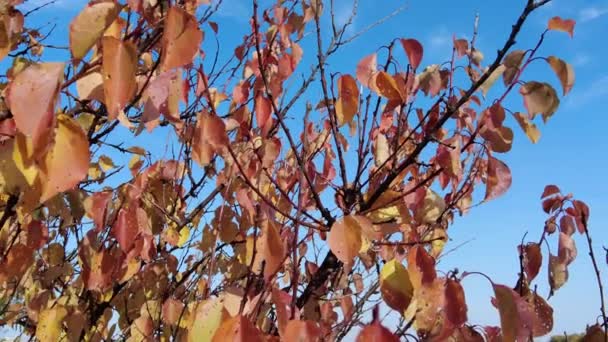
<point>498,178</point>
<point>532,259</point>
<point>89,25</point>
<point>512,62</point>
<point>206,318</point>
<point>558,273</point>
<point>565,25</point>
<point>413,50</point>
<point>455,304</point>
<point>564,72</point>
<point>119,70</point>
<point>302,331</point>
<point>395,286</point>
<point>539,98</point>
<point>181,38</point>
<point>528,127</point>
<point>270,249</point>
<point>50,323</point>
<point>366,70</point>
<point>347,104</point>
<point>515,314</point>
<point>345,239</point>
<point>237,329</point>
<point>387,86</point>
<point>487,84</point>
<point>42,83</point>
<point>376,332</point>
<point>209,138</point>
<point>71,147</point>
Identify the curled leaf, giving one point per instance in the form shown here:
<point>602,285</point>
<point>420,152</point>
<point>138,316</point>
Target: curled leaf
<point>539,98</point>
<point>413,50</point>
<point>564,25</point>
<point>564,72</point>
<point>498,178</point>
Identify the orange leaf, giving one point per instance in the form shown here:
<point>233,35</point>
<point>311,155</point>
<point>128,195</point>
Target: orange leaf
<point>237,329</point>
<point>32,96</point>
<point>564,72</point>
<point>89,25</point>
<point>209,138</point>
<point>302,331</point>
<point>387,86</point>
<point>270,249</point>
<point>119,68</point>
<point>414,51</point>
<point>499,178</point>
<point>181,38</point>
<point>67,162</point>
<point>366,69</point>
<point>344,239</point>
<point>347,104</point>
<point>564,25</point>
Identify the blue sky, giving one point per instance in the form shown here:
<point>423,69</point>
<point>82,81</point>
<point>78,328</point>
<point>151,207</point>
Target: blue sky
<point>571,152</point>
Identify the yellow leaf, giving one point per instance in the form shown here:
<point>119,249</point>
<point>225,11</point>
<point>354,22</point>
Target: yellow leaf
<point>23,153</point>
<point>206,319</point>
<point>184,235</point>
<point>49,323</point>
<point>387,86</point>
<point>67,161</point>
<point>528,127</point>
<point>432,207</point>
<point>395,286</point>
<point>106,163</point>
<point>485,86</point>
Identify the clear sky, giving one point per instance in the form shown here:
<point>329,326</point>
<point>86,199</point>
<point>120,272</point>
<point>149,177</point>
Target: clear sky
<point>571,152</point>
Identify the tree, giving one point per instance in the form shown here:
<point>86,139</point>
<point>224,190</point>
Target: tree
<point>277,206</point>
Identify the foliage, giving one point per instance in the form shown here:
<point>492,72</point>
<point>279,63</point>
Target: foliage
<point>282,213</point>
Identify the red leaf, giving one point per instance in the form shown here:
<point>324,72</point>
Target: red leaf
<point>499,178</point>
<point>533,259</point>
<point>376,332</point>
<point>414,51</point>
<point>455,304</point>
<point>564,25</point>
<point>461,46</point>
<point>126,228</point>
<point>96,207</point>
<point>263,111</point>
<point>566,225</point>
<point>37,235</point>
<point>421,266</point>
<point>32,96</point>
<point>550,190</point>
